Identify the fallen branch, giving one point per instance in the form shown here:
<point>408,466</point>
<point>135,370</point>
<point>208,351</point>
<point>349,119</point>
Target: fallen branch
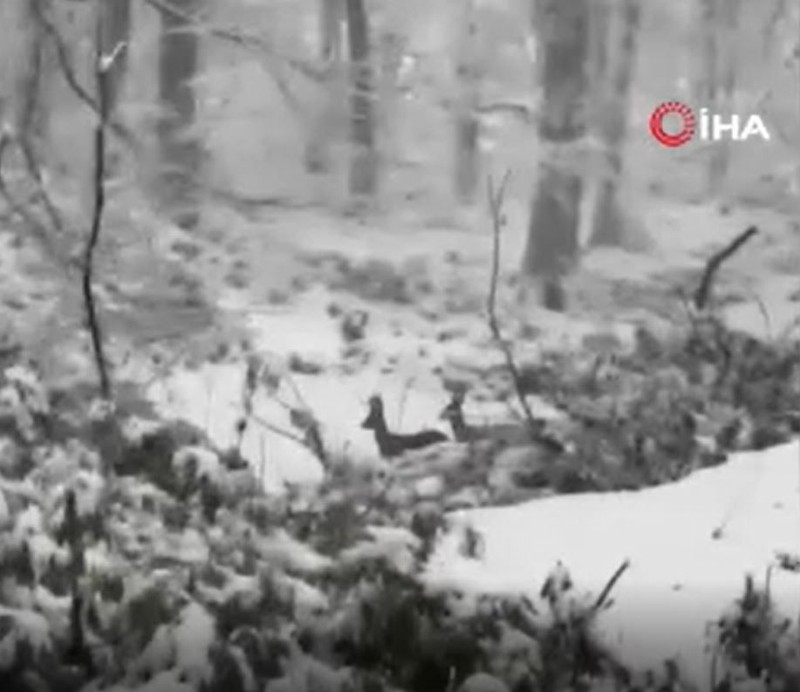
<point>496,210</point>
<point>602,599</point>
<point>703,292</point>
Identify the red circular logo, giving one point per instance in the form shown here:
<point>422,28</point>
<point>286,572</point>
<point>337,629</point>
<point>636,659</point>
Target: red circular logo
<point>657,126</point>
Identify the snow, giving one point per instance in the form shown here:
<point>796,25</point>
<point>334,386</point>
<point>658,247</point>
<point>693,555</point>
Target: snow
<point>29,627</point>
<point>284,552</point>
<point>394,545</point>
<point>194,637</point>
<point>681,578</point>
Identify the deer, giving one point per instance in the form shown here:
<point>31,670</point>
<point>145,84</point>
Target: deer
<point>394,444</point>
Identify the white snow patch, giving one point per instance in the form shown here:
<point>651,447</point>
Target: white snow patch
<point>211,398</point>
<point>392,544</point>
<point>681,578</point>
<point>284,552</point>
<point>29,627</point>
<point>193,639</point>
<point>429,488</point>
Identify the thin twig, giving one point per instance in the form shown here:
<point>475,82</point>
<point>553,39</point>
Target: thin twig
<point>703,292</point>
<point>403,397</point>
<point>35,173</point>
<point>278,431</point>
<point>606,592</point>
<point>17,208</point>
<point>246,41</point>
<point>103,65</point>
<point>496,211</point>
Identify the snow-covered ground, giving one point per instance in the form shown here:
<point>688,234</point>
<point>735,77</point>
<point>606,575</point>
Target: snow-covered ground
<point>690,545</point>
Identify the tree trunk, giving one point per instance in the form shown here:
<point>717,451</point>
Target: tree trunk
<point>116,31</point>
<point>465,113</point>
<point>363,167</point>
<point>725,82</point>
<point>552,246</point>
<point>606,219</point>
<point>180,150</point>
<point>326,117</point>
<point>392,47</point>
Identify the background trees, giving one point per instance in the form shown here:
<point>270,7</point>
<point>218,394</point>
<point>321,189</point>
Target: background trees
<point>358,100</point>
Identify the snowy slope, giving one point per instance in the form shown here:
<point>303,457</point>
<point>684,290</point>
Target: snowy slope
<point>681,578</point>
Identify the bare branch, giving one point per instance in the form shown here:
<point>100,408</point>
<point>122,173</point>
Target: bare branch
<point>101,76</point>
<point>278,431</point>
<point>67,70</point>
<point>35,173</point>
<point>703,292</point>
<point>496,210</point>
<point>247,41</point>
<point>20,209</point>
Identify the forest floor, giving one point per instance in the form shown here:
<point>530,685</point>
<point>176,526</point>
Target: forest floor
<point>184,312</point>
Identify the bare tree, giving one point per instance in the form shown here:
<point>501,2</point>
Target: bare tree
<point>325,118</point>
<point>552,246</point>
<point>363,170</point>
<point>465,111</point>
<point>28,60</point>
<point>179,147</point>
<point>615,103</point>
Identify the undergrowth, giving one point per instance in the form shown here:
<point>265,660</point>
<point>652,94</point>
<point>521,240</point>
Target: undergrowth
<point>134,556</point>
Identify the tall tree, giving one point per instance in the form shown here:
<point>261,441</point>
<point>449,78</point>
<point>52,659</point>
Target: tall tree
<point>179,147</point>
<point>392,46</point>
<point>615,103</point>
<point>725,34</point>
<point>465,110</point>
<point>718,27</point>
<point>552,246</point>
<point>363,168</point>
<point>325,118</point>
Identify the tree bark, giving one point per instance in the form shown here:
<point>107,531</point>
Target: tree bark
<point>363,166</point>
<point>725,34</point>
<point>180,150</point>
<point>466,164</point>
<point>552,247</point>
<point>392,47</point>
<point>606,218</point>
<point>325,119</point>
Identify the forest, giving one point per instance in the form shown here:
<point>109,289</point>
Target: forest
<point>382,346</point>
